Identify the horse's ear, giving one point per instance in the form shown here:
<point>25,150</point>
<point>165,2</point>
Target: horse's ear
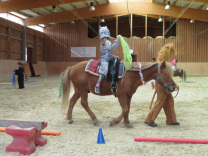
<point>163,65</point>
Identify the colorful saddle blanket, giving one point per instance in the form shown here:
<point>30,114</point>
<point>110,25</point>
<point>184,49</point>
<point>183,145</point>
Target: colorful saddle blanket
<point>94,65</point>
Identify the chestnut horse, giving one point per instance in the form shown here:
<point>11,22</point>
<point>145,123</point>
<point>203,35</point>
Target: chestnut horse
<point>180,73</point>
<point>85,82</point>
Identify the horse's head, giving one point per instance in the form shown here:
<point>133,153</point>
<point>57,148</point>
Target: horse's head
<point>164,77</point>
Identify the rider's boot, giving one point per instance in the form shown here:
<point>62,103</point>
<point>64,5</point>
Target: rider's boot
<point>97,87</point>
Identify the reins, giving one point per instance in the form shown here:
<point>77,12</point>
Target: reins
<point>176,93</point>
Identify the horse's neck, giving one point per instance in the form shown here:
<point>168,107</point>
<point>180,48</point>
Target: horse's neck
<point>150,73</point>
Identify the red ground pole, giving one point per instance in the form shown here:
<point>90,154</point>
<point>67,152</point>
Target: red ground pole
<point>175,140</point>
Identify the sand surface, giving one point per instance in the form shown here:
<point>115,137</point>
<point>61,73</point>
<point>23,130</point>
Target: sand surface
<point>39,102</point>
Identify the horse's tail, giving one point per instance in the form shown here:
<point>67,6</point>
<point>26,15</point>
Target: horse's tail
<point>66,87</point>
<point>184,75</point>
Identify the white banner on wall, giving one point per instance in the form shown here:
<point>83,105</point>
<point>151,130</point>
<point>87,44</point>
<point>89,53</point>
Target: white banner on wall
<point>83,51</point>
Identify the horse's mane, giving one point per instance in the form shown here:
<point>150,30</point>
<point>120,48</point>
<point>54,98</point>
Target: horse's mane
<point>147,65</point>
<point>168,66</point>
<point>167,53</point>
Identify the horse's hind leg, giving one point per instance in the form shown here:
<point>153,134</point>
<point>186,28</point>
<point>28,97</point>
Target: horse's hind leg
<point>72,102</point>
<point>84,103</point>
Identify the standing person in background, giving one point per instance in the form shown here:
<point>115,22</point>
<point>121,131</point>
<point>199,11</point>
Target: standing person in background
<point>105,47</point>
<point>20,73</point>
<point>164,99</point>
<point>174,62</point>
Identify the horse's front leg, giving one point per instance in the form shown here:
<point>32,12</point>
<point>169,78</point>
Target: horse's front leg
<point>123,100</point>
<point>84,103</point>
<point>126,118</point>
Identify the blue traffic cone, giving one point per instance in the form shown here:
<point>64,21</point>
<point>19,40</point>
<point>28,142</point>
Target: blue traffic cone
<point>14,81</point>
<point>100,139</point>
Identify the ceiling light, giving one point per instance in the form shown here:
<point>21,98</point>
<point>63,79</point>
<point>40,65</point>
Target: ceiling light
<point>92,8</point>
<point>53,8</point>
<point>102,19</point>
<point>207,8</point>
<point>167,7</point>
<point>72,22</point>
<point>42,25</point>
<point>160,19</point>
<point>192,21</point>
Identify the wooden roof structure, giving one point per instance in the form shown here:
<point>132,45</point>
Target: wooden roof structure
<point>56,11</point>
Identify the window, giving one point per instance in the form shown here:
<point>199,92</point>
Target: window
<point>111,24</point>
<point>93,29</point>
<point>171,31</point>
<point>124,25</point>
<point>154,28</point>
<point>138,26</point>
<point>17,18</point>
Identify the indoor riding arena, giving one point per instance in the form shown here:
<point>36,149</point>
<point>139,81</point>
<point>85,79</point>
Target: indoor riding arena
<point>78,78</point>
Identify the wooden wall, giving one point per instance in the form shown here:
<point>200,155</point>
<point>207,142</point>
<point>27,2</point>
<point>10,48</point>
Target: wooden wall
<point>55,45</point>
<point>190,46</point>
<point>11,41</point>
<point>53,48</point>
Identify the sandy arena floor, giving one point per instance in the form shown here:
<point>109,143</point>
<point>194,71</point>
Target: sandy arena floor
<point>39,102</point>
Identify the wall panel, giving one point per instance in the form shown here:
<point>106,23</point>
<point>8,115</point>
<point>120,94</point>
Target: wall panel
<point>190,46</point>
<point>11,40</point>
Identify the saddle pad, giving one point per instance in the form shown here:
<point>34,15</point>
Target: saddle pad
<point>93,67</point>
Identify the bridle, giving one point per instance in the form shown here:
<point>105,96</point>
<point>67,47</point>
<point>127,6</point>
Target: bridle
<point>160,78</point>
<point>164,83</point>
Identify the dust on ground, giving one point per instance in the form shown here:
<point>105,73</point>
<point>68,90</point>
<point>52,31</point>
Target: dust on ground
<point>39,102</point>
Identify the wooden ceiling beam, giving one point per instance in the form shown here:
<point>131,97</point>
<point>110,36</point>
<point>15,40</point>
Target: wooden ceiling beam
<point>114,9</point>
<point>203,1</point>
<point>106,17</point>
<point>12,5</point>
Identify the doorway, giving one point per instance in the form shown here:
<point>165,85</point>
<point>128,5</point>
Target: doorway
<point>134,58</point>
<point>30,60</point>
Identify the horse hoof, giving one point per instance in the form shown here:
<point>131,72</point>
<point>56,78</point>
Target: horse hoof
<point>96,123</point>
<point>176,123</point>
<point>151,124</point>
<point>111,124</point>
<point>71,121</point>
<point>129,126</point>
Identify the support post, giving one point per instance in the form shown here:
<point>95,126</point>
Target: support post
<point>36,49</point>
<point>146,26</point>
<point>8,41</point>
<point>23,41</point>
<point>163,26</point>
<point>131,25</point>
<point>116,25</point>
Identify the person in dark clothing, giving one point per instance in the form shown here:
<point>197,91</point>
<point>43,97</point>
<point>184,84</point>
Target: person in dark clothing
<point>20,73</point>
